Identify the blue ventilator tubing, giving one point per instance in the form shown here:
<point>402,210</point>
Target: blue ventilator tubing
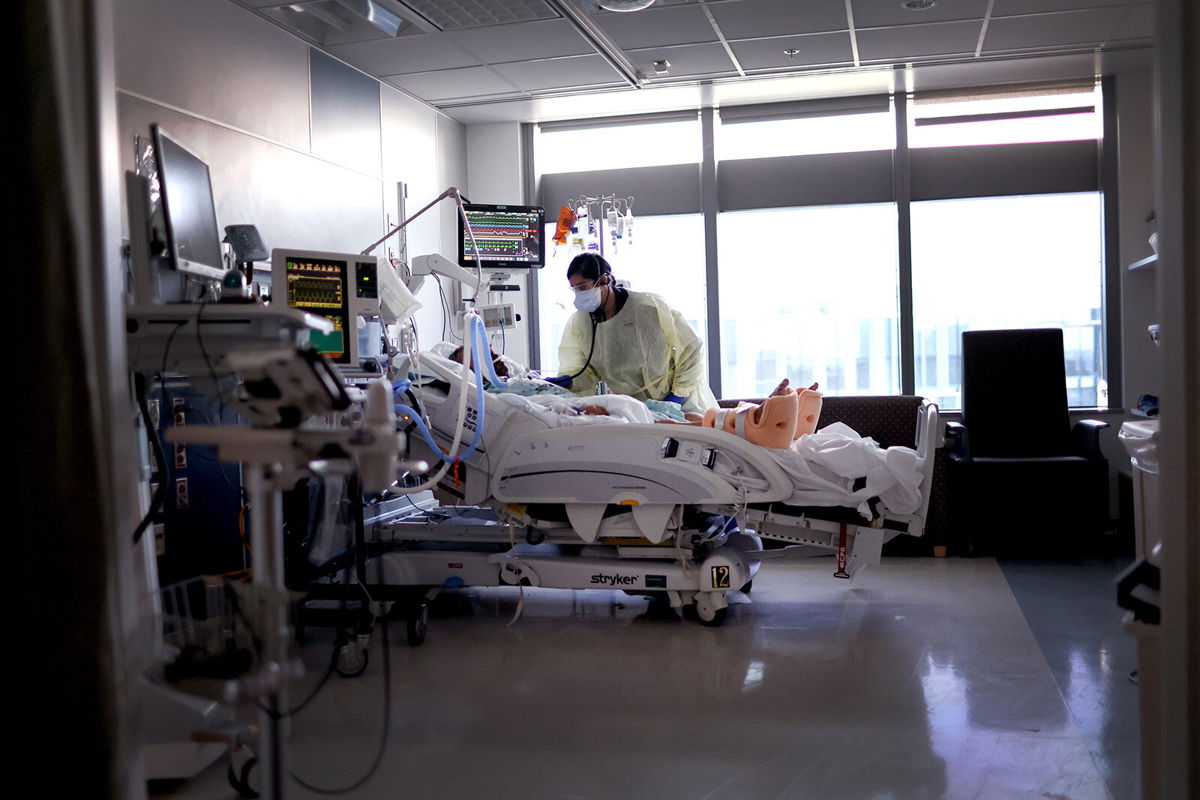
<point>477,331</point>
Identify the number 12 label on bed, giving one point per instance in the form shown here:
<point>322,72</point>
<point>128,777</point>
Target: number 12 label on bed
<point>720,577</point>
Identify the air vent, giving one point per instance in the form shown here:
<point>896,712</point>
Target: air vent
<point>451,15</point>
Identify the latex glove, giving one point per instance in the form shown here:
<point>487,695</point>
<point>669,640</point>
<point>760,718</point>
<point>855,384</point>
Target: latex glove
<point>674,398</point>
<point>564,381</point>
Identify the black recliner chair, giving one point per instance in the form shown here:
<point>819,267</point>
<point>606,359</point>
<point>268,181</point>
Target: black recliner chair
<point>1021,479</point>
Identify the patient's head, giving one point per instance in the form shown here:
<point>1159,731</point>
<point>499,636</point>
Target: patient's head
<point>497,362</point>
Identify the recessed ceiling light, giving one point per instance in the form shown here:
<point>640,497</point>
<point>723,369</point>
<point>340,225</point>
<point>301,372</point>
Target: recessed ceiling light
<point>919,5</point>
<point>625,5</point>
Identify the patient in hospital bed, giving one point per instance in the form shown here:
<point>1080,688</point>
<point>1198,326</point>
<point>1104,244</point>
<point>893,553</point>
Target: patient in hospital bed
<point>830,467</point>
<point>781,419</point>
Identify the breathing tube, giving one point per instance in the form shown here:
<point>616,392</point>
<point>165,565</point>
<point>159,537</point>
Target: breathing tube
<point>478,336</point>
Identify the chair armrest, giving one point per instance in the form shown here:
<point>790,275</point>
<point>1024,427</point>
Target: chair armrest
<point>1085,437</point>
<point>956,441</point>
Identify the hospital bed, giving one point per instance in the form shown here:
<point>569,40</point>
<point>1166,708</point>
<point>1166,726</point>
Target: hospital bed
<point>677,512</point>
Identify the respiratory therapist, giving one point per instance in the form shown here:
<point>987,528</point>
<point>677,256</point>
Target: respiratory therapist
<point>633,341</point>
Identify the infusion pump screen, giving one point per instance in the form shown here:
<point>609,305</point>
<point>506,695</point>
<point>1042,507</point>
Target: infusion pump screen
<point>504,236</point>
<point>319,287</point>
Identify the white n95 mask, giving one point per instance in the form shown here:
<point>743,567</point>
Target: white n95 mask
<point>589,300</point>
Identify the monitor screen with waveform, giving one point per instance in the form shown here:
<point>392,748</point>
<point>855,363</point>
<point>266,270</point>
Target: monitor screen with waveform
<point>507,236</point>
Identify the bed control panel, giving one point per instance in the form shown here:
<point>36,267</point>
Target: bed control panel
<point>691,452</point>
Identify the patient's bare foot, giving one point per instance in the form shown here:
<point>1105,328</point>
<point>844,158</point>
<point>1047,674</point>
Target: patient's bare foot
<point>781,389</point>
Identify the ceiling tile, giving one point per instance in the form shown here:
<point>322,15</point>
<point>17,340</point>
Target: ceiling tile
<point>448,83</point>
<point>748,19</point>
<point>658,27</point>
<point>1048,30</point>
<point>560,73</point>
<point>455,14</point>
<point>1137,24</point>
<point>406,54</point>
<point>523,41</point>
<point>815,49</point>
<point>880,13</point>
<point>1008,8</point>
<point>909,41</point>
<point>688,59</point>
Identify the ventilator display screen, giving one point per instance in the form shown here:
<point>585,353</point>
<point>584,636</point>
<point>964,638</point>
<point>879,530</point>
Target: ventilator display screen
<point>506,236</point>
<point>320,286</point>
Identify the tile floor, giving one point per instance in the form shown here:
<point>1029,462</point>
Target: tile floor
<point>946,678</point>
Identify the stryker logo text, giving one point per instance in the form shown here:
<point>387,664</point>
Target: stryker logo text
<point>613,580</point>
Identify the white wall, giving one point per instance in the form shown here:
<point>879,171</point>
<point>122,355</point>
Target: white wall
<point>235,89</point>
<point>1139,356</point>
<point>496,173</point>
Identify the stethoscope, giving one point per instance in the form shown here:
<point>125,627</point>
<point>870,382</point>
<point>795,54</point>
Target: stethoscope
<point>597,317</point>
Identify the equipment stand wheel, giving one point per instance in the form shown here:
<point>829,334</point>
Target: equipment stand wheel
<point>418,623</point>
<point>352,658</point>
<point>239,779</point>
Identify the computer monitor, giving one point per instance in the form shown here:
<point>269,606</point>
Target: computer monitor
<point>508,237</point>
<point>189,218</point>
<point>339,287</point>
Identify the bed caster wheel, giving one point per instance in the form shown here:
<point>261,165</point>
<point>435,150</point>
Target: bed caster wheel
<point>708,612</point>
<point>533,536</point>
<point>352,660</point>
<point>239,777</point>
<point>418,624</point>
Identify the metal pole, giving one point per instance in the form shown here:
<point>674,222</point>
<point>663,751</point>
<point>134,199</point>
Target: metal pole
<point>266,541</point>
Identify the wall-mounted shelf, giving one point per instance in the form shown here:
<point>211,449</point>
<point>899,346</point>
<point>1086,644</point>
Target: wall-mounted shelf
<point>1148,261</point>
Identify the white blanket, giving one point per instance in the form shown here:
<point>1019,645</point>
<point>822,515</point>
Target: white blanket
<point>824,465</point>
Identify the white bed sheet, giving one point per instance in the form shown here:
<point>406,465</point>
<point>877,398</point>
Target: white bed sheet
<point>823,466</point>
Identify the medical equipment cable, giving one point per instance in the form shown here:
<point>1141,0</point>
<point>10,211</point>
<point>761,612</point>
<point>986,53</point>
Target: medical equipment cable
<point>383,739</point>
<point>387,697</point>
<point>212,372</point>
<point>160,497</point>
<point>462,212</point>
<point>447,316</point>
<point>156,446</point>
<point>333,659</point>
<point>520,586</point>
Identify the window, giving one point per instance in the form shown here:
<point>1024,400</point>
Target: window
<point>1008,262</point>
<point>845,133</point>
<point>1055,116</point>
<point>1006,231</point>
<point>665,256</point>
<point>809,294</point>
<point>618,146</point>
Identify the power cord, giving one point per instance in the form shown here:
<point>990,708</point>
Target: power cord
<point>160,496</point>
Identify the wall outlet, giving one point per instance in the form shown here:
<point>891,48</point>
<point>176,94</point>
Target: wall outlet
<point>181,492</point>
<point>181,456</point>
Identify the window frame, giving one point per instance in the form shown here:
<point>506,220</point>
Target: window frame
<point>934,173</point>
